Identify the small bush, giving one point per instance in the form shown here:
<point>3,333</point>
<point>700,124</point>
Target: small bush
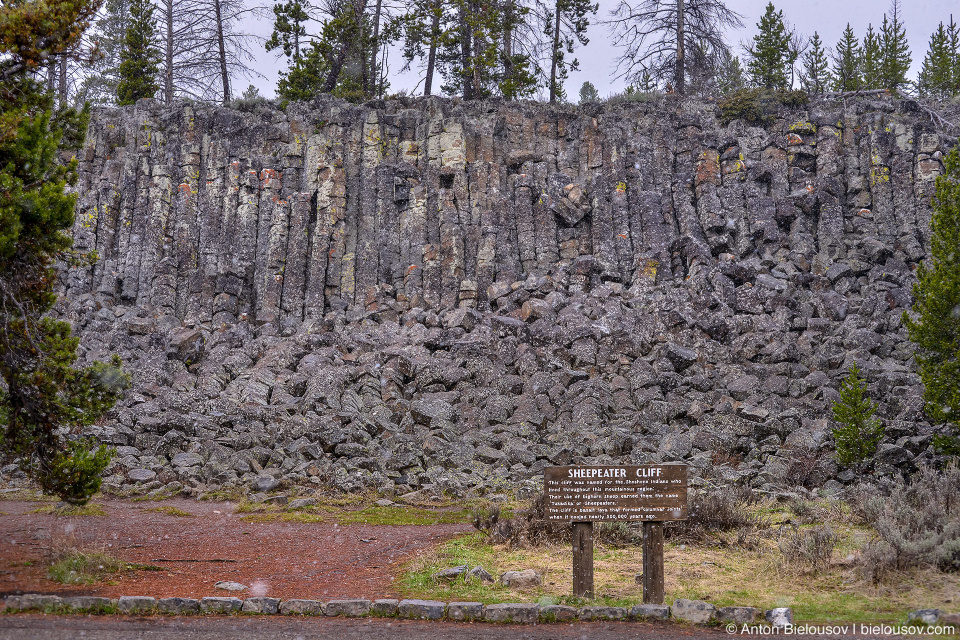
<point>724,508</point>
<point>809,548</point>
<point>759,106</point>
<point>76,473</point>
<point>857,433</point>
<point>917,525</point>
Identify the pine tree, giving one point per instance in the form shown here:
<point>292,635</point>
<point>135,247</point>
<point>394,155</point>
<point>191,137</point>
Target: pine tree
<point>894,51</point>
<point>730,76</point>
<point>588,93</point>
<point>936,74</point>
<point>42,396</point>
<point>288,28</point>
<point>847,62</point>
<point>936,327</point>
<point>857,433</point>
<point>816,69</point>
<point>139,58</point>
<point>566,26</point>
<point>871,60</point>
<point>769,55</point>
<point>953,46</point>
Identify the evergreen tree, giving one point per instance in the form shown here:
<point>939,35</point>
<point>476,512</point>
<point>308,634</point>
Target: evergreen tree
<point>894,51</point>
<point>288,28</point>
<point>730,76</point>
<point>936,329</point>
<point>566,26</point>
<point>43,398</point>
<point>857,433</point>
<point>108,34</point>
<point>847,63</point>
<point>770,53</point>
<point>816,69</point>
<point>139,58</point>
<point>871,60</point>
<point>588,93</point>
<point>939,74</point>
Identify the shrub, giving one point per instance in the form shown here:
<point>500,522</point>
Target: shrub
<point>857,433</point>
<point>725,508</point>
<point>75,474</point>
<point>759,106</point>
<point>917,525</point>
<point>811,548</point>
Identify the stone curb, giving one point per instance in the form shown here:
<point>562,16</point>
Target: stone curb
<point>689,611</point>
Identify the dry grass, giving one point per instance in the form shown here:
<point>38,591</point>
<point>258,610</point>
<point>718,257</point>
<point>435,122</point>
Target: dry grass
<point>89,509</point>
<point>171,511</point>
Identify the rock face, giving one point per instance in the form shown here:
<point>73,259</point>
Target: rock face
<point>431,294</point>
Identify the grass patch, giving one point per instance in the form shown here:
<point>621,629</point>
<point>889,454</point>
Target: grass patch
<point>721,575</point>
<point>171,511</point>
<point>89,509</point>
<point>79,567</point>
<point>373,514</point>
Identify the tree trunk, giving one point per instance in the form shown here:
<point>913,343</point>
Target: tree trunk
<point>62,80</point>
<point>554,58</point>
<point>466,54</point>
<point>678,75</point>
<point>432,56</point>
<point>168,56</point>
<point>222,52</point>
<point>334,73</point>
<point>376,90</point>
<point>508,39</point>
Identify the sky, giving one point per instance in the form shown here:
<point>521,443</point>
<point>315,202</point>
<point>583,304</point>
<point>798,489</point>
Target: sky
<point>598,58</point>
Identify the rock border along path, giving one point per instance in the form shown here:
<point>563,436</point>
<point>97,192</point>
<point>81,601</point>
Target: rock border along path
<point>513,612</point>
<point>682,610</point>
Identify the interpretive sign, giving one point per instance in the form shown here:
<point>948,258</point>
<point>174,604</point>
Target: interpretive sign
<point>623,493</point>
<point>650,493</point>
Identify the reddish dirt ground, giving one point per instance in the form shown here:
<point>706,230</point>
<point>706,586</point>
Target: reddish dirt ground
<point>279,559</point>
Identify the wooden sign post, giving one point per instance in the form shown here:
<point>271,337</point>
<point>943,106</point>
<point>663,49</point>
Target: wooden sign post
<point>648,493</point>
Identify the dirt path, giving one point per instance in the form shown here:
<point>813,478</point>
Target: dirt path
<point>23,627</point>
<point>284,560</point>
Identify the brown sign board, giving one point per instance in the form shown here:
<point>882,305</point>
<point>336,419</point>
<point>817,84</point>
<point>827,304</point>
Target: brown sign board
<point>653,492</point>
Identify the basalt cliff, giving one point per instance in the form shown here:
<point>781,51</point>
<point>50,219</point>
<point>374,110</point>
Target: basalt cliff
<point>446,297</point>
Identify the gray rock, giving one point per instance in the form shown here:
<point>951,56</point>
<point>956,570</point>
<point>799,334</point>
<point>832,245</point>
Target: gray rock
<point>186,460</point>
<point>481,574</point>
<point>738,615</point>
<point>602,613</point>
<point>93,604</point>
<point>421,609</point>
<point>136,604</point>
<point>30,601</point>
<point>511,612</point>
<point>384,607</point>
<point>780,617</point>
<point>264,484</point>
<point>301,503</point>
<point>520,579</point>
<point>651,611</point>
<point>178,605</point>
<point>301,607</point>
<point>451,574</point>
<point>465,610</point>
<point>261,604</point>
<point>227,585</point>
<point>695,611</point>
<point>924,616</point>
<point>347,608</point>
<point>224,605</point>
<point>557,613</point>
<point>141,475</point>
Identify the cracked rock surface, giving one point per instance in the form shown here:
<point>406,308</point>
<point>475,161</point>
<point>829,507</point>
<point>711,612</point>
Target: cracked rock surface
<point>434,295</point>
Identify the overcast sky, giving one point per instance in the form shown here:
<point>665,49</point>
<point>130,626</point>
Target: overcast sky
<point>597,59</point>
